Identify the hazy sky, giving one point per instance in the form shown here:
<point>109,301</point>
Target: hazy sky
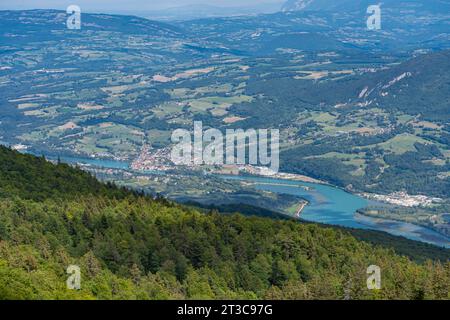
<point>132,5</point>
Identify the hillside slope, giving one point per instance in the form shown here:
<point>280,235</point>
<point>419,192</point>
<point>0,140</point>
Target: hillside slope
<point>419,86</point>
<point>133,247</point>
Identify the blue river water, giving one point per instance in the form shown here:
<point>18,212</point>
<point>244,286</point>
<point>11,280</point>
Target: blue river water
<point>111,164</point>
<point>327,204</point>
<point>335,206</point>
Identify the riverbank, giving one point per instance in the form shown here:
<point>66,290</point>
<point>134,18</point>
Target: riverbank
<point>402,199</point>
<point>301,206</point>
<point>326,204</point>
<point>444,229</point>
<point>256,171</point>
<point>335,206</point>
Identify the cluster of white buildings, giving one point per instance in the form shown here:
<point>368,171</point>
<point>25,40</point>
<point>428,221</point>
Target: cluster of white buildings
<point>403,199</point>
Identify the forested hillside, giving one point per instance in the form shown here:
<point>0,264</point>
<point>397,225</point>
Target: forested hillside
<point>133,247</point>
<point>35,178</point>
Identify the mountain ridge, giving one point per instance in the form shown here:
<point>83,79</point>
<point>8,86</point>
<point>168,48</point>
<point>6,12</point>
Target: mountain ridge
<point>362,5</point>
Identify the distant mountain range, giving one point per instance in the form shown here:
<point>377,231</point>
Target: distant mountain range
<point>352,5</point>
<point>207,11</point>
<point>198,11</point>
<point>412,26</point>
<point>36,24</point>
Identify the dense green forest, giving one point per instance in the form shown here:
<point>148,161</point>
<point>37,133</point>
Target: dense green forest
<point>130,246</point>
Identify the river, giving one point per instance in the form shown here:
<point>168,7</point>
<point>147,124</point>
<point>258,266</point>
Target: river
<point>335,206</point>
<point>327,204</point>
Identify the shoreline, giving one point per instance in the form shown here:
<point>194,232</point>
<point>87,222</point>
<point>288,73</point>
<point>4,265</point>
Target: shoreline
<point>385,219</point>
<point>401,199</point>
<point>303,204</point>
<point>403,221</point>
<point>280,176</point>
